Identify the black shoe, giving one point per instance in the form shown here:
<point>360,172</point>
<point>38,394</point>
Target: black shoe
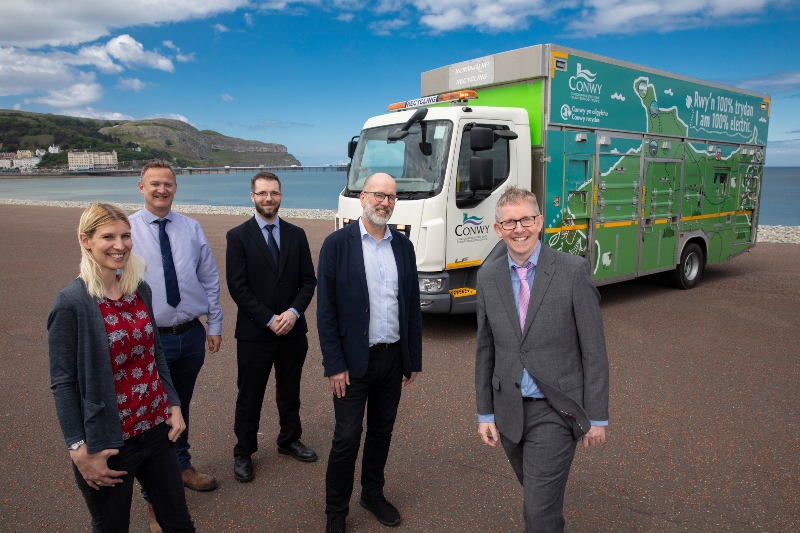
<point>243,468</point>
<point>336,524</point>
<point>299,451</point>
<point>386,513</point>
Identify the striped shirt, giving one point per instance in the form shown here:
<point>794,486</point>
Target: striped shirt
<point>198,278</point>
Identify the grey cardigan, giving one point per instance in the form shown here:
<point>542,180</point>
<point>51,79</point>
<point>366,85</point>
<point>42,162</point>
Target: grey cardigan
<point>80,368</point>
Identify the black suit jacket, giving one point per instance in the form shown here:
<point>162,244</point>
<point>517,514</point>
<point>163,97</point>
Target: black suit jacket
<point>261,288</point>
<point>343,303</point>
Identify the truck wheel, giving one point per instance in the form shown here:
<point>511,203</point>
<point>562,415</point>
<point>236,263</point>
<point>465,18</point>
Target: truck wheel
<point>690,269</point>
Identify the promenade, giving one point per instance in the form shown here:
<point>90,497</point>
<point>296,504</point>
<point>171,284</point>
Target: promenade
<point>703,435</point>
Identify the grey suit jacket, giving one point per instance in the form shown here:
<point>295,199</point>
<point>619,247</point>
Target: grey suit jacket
<point>562,347</point>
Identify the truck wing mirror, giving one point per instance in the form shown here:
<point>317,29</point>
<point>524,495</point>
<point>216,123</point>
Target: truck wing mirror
<point>480,173</point>
<point>505,134</point>
<point>426,148</point>
<point>351,147</point>
<point>481,139</point>
<point>418,115</point>
<point>397,135</point>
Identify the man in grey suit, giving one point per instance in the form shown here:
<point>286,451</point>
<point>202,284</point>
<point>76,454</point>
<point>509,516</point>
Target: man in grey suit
<point>541,368</point>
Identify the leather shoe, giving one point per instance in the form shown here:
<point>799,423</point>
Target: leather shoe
<point>386,513</point>
<point>243,468</point>
<point>192,479</point>
<point>151,516</point>
<point>299,451</point>
<point>336,524</point>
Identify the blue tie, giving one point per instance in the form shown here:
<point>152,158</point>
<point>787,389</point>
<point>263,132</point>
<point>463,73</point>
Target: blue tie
<point>273,246</point>
<point>170,276</point>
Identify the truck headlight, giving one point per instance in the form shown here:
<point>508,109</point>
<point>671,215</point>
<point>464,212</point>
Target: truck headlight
<point>430,284</point>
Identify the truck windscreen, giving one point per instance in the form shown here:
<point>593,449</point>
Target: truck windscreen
<point>416,162</point>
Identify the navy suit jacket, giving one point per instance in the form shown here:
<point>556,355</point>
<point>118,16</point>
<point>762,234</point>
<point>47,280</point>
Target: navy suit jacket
<point>343,303</point>
<point>261,288</point>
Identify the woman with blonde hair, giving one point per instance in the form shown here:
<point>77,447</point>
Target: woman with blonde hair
<point>116,405</point>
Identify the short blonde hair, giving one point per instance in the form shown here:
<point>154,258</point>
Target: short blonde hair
<point>515,195</point>
<point>96,215</point>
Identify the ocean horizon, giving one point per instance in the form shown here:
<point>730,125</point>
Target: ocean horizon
<point>780,193</point>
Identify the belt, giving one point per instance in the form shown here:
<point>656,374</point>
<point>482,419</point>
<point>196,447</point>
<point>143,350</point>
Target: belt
<point>383,346</point>
<point>180,328</point>
<point>532,399</point>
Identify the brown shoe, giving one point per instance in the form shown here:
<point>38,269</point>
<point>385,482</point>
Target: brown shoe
<point>192,479</point>
<point>151,515</point>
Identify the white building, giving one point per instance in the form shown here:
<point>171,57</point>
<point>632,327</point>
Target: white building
<point>27,163</point>
<point>6,163</point>
<point>92,160</point>
<point>54,149</point>
<point>40,152</point>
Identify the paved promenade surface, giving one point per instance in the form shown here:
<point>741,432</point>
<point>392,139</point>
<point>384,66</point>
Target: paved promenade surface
<point>704,410</point>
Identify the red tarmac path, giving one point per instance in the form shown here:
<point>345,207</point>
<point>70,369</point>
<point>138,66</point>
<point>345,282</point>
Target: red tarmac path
<point>704,427</point>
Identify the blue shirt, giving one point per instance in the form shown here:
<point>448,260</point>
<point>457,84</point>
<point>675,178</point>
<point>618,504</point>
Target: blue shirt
<point>198,278</point>
<point>527,385</point>
<point>382,285</point>
<point>276,234</point>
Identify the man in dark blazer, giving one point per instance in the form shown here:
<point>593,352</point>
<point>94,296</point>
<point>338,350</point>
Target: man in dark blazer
<point>541,369</point>
<point>370,333</point>
<point>271,278</point>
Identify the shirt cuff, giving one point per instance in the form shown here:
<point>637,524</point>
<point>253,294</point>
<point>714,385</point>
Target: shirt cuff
<point>293,310</point>
<point>598,422</point>
<point>270,320</point>
<point>486,419</point>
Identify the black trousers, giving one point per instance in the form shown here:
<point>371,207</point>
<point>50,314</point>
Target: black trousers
<point>379,391</point>
<point>149,457</point>
<point>255,361</point>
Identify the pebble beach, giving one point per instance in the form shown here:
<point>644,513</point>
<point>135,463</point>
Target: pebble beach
<point>773,234</point>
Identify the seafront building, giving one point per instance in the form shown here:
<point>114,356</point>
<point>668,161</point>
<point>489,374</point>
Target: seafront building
<point>24,154</point>
<point>54,149</point>
<point>92,160</point>
<point>26,163</point>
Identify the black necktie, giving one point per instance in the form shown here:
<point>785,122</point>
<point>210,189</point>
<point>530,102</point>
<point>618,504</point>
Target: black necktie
<point>170,276</point>
<point>273,246</point>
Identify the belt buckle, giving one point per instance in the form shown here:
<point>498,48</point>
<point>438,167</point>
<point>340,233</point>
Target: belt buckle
<point>174,330</point>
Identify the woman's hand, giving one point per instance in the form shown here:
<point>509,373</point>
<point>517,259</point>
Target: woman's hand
<point>176,423</point>
<point>94,469</point>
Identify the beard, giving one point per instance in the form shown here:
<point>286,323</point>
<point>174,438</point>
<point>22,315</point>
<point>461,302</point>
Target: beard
<point>377,216</point>
<point>268,211</point>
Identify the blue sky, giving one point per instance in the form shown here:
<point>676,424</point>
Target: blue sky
<point>307,74</point>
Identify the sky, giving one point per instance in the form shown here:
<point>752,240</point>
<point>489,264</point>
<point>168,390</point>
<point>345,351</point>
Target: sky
<point>308,73</point>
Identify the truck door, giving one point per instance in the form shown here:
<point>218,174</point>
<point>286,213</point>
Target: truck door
<point>616,234</point>
<point>470,223</point>
<point>747,203</point>
<point>577,192</point>
<point>659,214</point>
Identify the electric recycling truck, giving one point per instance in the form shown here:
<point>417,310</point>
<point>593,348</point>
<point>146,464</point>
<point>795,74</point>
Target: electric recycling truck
<point>638,170</point>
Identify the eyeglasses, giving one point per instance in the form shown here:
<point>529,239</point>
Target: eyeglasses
<point>380,196</point>
<point>526,222</point>
<point>265,194</point>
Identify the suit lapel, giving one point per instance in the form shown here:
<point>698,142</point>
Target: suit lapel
<point>541,280</point>
<point>261,241</point>
<point>357,256</point>
<point>502,278</point>
<point>286,236</point>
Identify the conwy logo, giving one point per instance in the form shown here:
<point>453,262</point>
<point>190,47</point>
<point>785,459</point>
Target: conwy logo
<point>584,81</point>
<point>473,228</point>
<point>475,221</point>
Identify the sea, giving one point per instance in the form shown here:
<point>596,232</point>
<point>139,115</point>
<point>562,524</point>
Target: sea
<point>780,192</point>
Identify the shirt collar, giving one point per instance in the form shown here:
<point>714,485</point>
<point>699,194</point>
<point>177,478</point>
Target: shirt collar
<point>263,223</point>
<point>150,217</point>
<point>533,259</point>
<point>386,236</point>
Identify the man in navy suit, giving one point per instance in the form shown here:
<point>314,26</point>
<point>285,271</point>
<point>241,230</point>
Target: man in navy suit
<point>370,332</point>
<point>271,278</point>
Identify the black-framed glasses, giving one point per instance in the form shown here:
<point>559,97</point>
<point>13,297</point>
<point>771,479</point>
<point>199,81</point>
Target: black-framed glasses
<point>526,222</point>
<point>267,194</point>
<point>381,196</point>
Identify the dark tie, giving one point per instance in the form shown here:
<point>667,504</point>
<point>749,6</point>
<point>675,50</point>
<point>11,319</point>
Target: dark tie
<point>273,246</point>
<point>170,276</point>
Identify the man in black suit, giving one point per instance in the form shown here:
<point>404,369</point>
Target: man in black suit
<point>370,332</point>
<point>271,278</point>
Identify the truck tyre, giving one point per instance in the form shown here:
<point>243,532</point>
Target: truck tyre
<point>690,269</point>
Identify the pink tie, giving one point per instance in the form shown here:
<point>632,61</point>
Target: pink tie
<point>524,294</point>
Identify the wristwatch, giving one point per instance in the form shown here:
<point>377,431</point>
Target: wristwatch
<point>75,445</point>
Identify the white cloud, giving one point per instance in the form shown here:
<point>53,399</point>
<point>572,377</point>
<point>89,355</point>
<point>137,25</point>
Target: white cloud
<point>17,106</point>
<point>173,116</point>
<point>58,23</point>
<point>170,45</point>
<point>227,98</point>
<point>778,83</point>
<point>185,58</point>
<point>386,27</point>
<point>221,28</point>
<point>783,153</point>
<point>90,112</point>
<point>345,17</point>
<point>78,94</point>
<point>249,19</point>
<point>130,52</point>
<point>24,72</point>
<point>131,84</point>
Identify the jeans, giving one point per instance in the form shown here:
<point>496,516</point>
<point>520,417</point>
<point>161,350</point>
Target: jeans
<point>379,390</point>
<point>150,458</point>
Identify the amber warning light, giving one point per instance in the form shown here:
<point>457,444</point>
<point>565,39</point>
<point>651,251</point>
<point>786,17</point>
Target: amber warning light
<point>428,100</point>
